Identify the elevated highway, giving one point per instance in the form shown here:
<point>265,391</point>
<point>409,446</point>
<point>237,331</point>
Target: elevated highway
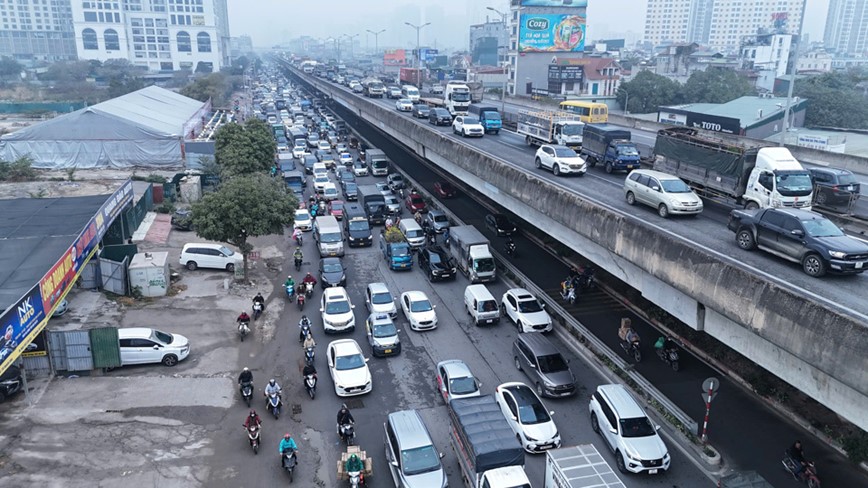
<point>811,333</point>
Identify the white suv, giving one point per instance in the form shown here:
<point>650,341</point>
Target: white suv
<point>525,311</point>
<point>467,126</point>
<point>337,310</point>
<point>628,431</point>
<point>205,255</point>
<point>141,345</point>
<point>560,160</point>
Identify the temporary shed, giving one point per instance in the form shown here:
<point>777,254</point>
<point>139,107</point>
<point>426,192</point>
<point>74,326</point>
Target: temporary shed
<point>145,128</point>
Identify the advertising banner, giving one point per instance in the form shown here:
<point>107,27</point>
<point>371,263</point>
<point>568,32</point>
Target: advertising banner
<point>566,73</point>
<point>17,323</point>
<point>554,3</point>
<point>551,33</point>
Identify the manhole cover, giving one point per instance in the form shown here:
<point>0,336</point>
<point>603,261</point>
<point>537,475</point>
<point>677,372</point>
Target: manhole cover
<point>355,403</point>
<point>296,409</point>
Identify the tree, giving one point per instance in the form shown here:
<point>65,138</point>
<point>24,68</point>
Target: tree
<point>9,67</point>
<point>244,149</point>
<point>244,207</point>
<point>716,85</point>
<point>648,91</point>
<point>834,100</point>
<point>215,86</point>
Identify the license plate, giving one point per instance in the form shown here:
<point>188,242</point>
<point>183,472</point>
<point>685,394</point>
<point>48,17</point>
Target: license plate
<point>387,351</point>
<point>547,446</point>
<point>850,188</point>
<point>333,254</point>
<point>652,471</point>
<point>859,264</point>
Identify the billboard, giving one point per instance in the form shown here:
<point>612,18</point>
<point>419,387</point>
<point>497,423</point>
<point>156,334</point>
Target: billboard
<point>570,73</point>
<point>554,3</point>
<point>551,33</point>
<point>697,120</point>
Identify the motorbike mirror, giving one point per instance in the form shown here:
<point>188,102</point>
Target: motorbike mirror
<point>551,412</point>
<point>441,455</point>
<point>367,359</point>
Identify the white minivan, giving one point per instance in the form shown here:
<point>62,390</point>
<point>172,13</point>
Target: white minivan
<point>328,236</point>
<point>410,92</point>
<point>481,305</point>
<point>413,233</point>
<point>215,256</point>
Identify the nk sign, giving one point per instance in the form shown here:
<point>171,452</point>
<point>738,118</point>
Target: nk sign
<point>551,33</point>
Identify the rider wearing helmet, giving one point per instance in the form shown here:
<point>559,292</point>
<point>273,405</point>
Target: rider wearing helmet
<point>260,300</point>
<point>308,341</point>
<point>252,419</point>
<point>243,317</point>
<point>272,387</point>
<point>286,444</point>
<point>344,417</point>
<point>289,282</point>
<point>309,279</point>
<point>246,376</point>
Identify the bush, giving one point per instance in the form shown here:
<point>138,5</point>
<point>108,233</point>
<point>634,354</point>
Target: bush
<point>166,207</point>
<point>856,446</point>
<point>19,170</point>
<point>392,234</point>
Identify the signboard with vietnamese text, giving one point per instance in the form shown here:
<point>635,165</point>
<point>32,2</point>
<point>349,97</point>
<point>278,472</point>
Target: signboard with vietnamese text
<point>566,73</point>
<point>551,33</point>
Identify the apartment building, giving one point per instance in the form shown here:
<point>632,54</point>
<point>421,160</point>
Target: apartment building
<point>37,30</point>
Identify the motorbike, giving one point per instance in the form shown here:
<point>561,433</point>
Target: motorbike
<point>297,264</point>
<point>243,329</point>
<point>632,350</point>
<point>668,353</point>
<point>808,475</point>
<point>253,436</point>
<point>290,292</point>
<point>247,392</point>
<point>310,385</point>
<point>257,310</point>
<point>298,239</point>
<point>289,462</point>
<point>300,300</point>
<point>357,479</point>
<point>510,248</point>
<point>309,355</point>
<point>304,329</point>
<point>569,294</point>
<point>274,404</point>
<point>308,289</point>
<point>586,278</point>
<point>348,433</point>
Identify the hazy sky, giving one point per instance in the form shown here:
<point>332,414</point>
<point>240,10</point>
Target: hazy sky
<point>270,22</point>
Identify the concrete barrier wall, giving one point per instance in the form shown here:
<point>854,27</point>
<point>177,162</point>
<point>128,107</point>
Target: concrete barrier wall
<point>829,345</point>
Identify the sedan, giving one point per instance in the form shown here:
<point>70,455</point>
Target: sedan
<point>298,152</point>
<point>319,182</point>
<point>500,224</point>
<point>528,417</point>
<point>348,368</point>
<point>345,175</point>
<point>332,272</point>
<point>346,158</point>
<point>560,160</point>
<point>382,335</point>
<point>336,209</point>
<point>302,220</point>
<point>360,169</point>
<point>404,105</point>
<point>418,310</point>
<point>421,111</point>
<point>436,263</point>
<point>415,203</point>
<point>341,147</point>
<point>444,189</point>
<point>454,380</point>
<point>525,311</point>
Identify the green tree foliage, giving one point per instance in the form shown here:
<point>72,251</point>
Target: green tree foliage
<point>834,99</point>
<point>648,91</point>
<point>19,170</point>
<point>9,68</point>
<point>215,86</point>
<point>244,149</point>
<point>716,86</point>
<point>244,207</point>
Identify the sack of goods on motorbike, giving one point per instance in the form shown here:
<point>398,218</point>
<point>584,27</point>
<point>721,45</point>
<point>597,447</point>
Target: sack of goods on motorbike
<point>367,465</point>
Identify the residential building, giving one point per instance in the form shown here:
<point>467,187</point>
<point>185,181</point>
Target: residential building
<point>37,30</point>
<point>161,35</point>
<point>847,27</point>
<point>241,45</point>
<point>719,24</point>
<point>678,61</point>
<point>488,43</point>
<point>768,56</point>
<point>817,61</point>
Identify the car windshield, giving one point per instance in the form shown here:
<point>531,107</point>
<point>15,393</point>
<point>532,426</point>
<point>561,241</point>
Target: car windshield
<point>337,206</point>
<point>355,361</point>
<point>420,306</point>
<point>337,306</point>
<point>321,179</point>
<point>565,152</point>
<point>302,217</point>
<point>380,164</point>
<point>462,386</point>
<point>675,186</point>
<point>637,427</point>
<point>793,183</point>
<point>440,218</point>
<point>821,228</point>
<point>225,250</point>
<point>381,298</point>
<point>460,97</point>
<point>416,200</point>
<point>529,306</point>
<point>415,233</point>
<point>573,129</point>
<point>483,265</point>
<point>469,119</point>
<point>400,250</point>
<point>533,413</point>
<point>552,363</point>
<point>350,187</point>
<point>384,329</point>
<point>358,164</point>
<point>330,237</point>
<point>329,267</point>
<point>163,337</point>
<point>420,460</point>
<point>625,150</point>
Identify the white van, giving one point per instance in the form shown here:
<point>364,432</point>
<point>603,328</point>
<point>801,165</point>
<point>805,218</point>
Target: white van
<point>481,305</point>
<point>413,233</point>
<point>328,236</point>
<point>216,256</point>
<point>411,92</point>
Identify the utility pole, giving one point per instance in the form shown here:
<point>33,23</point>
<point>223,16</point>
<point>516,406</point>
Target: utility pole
<point>350,38</point>
<point>793,75</point>
<point>418,51</point>
<point>376,39</point>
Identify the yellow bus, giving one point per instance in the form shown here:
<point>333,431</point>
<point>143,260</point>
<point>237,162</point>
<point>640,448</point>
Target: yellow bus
<point>590,112</point>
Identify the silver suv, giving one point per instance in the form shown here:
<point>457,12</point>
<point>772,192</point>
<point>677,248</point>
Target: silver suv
<point>544,365</point>
<point>437,220</point>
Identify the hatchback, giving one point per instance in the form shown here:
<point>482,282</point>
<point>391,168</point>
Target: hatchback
<point>667,193</point>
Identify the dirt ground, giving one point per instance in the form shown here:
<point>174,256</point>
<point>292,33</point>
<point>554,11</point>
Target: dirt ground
<point>53,184</point>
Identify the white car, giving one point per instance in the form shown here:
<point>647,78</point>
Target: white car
<point>418,310</point>
<point>337,310</point>
<point>346,158</point>
<point>330,192</point>
<point>404,105</point>
<point>467,126</point>
<point>528,417</point>
<point>454,380</point>
<point>141,345</point>
<point>379,300</point>
<point>360,169</point>
<point>560,160</point>
<point>525,311</point>
<point>319,168</point>
<point>302,220</point>
<point>348,368</point>
<point>437,90</point>
<point>298,152</point>
<point>324,145</point>
<point>341,147</point>
<point>319,182</point>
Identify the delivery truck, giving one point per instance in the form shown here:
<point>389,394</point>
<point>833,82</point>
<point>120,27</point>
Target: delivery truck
<point>378,163</point>
<point>488,116</point>
<point>579,466</point>
<point>471,250</point>
<point>610,146</point>
<point>548,127</point>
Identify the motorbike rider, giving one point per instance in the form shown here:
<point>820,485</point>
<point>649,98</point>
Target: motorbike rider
<point>308,370</point>
<point>344,417</point>
<point>389,222</point>
<point>252,419</point>
<point>354,464</point>
<point>418,217</point>
<point>309,279</point>
<point>298,256</point>
<point>260,300</point>
<point>797,455</point>
<point>626,333</point>
<point>272,387</point>
<point>246,376</point>
<point>243,318</point>
<point>296,233</point>
<point>308,341</point>
<point>286,444</point>
<point>289,282</point>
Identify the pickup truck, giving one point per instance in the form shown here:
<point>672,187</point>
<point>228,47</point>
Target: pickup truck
<point>396,254</point>
<point>800,236</point>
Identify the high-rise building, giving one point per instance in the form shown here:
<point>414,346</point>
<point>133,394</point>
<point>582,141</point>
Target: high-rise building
<point>37,30</point>
<point>488,43</point>
<point>720,24</point>
<point>847,27</point>
<point>162,35</point>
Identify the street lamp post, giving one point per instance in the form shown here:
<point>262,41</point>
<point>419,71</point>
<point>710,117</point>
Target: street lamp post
<point>418,52</point>
<point>350,38</point>
<point>793,76</point>
<point>376,39</point>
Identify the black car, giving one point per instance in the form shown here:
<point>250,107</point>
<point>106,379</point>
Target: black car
<point>10,382</point>
<point>833,186</point>
<point>439,116</point>
<point>332,272</point>
<point>500,224</point>
<point>351,191</point>
<point>421,111</point>
<point>345,176</point>
<point>182,219</point>
<point>309,161</point>
<point>436,263</point>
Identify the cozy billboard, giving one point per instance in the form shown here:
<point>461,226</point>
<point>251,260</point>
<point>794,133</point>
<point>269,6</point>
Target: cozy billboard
<point>554,3</point>
<point>551,33</point>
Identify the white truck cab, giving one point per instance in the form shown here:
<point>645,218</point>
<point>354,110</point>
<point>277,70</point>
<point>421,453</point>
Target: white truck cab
<point>456,97</point>
<point>778,180</point>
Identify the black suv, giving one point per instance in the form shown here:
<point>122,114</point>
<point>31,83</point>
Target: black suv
<point>436,263</point>
<point>800,236</point>
<point>10,382</point>
<point>833,186</point>
<point>182,219</point>
<point>439,116</point>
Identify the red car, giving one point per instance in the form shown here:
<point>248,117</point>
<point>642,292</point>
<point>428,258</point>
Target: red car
<point>444,189</point>
<point>336,209</point>
<point>415,203</point>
